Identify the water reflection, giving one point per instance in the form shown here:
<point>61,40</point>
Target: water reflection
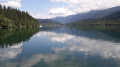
<point>63,47</point>
<point>11,42</point>
<point>10,53</point>
<point>111,32</point>
<point>106,49</point>
<point>11,37</point>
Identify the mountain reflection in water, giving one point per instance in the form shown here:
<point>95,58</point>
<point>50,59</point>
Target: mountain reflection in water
<point>64,47</point>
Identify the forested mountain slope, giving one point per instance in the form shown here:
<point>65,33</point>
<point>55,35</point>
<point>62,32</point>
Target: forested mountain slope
<point>94,14</point>
<point>10,17</point>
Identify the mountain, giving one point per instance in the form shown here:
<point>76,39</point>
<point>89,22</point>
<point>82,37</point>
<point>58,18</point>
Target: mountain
<point>94,14</point>
<point>14,18</point>
<point>106,12</point>
<point>48,22</point>
<point>73,18</point>
<point>112,19</point>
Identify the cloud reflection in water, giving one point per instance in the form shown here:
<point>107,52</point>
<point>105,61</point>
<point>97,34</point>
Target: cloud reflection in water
<point>11,52</point>
<point>104,48</point>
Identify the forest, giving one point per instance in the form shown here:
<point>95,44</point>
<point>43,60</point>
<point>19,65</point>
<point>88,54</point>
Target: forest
<point>110,20</point>
<point>14,18</point>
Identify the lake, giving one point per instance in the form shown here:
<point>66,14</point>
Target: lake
<point>60,47</point>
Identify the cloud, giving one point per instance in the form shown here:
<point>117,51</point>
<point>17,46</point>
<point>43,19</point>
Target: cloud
<point>79,6</point>
<point>98,3</point>
<point>57,37</point>
<point>67,1</point>
<point>105,49</point>
<point>39,16</point>
<point>12,0</point>
<point>72,44</point>
<point>60,11</point>
<point>11,52</point>
<point>53,12</point>
<point>88,5</point>
<point>49,58</point>
<point>12,3</point>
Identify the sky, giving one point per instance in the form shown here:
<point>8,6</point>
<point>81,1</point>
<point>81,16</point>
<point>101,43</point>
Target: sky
<point>45,9</point>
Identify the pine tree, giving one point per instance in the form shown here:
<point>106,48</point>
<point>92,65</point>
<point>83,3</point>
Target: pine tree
<point>10,17</point>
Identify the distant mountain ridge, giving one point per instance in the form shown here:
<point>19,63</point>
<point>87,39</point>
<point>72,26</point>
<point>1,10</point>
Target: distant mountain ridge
<point>73,18</point>
<point>94,14</point>
<point>48,22</point>
<point>106,12</point>
<point>113,17</point>
<point>110,20</point>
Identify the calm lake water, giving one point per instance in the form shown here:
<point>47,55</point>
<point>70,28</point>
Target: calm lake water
<point>60,47</point>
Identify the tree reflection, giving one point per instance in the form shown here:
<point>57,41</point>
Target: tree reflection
<point>112,31</point>
<point>10,37</point>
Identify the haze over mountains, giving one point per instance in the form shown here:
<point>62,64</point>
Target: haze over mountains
<point>48,22</point>
<point>94,14</point>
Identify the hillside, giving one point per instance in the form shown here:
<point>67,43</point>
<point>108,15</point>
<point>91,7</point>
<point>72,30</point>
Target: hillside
<point>106,12</point>
<point>94,14</point>
<point>48,22</point>
<point>112,19</point>
<point>15,18</point>
<point>73,18</point>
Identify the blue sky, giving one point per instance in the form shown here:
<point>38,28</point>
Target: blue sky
<point>44,9</point>
<point>38,6</point>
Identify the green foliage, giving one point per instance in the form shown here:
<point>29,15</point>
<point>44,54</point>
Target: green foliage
<point>9,37</point>
<point>10,17</point>
<point>110,20</point>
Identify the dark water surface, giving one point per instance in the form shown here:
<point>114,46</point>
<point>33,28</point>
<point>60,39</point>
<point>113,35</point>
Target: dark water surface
<point>60,47</point>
